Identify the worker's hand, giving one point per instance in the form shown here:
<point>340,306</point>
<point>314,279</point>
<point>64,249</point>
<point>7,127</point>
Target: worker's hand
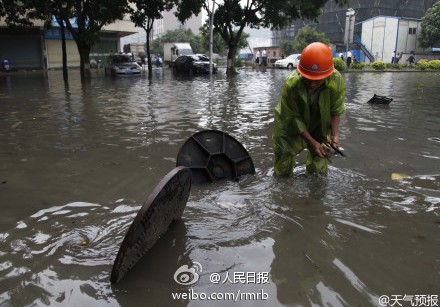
<point>318,149</point>
<point>335,141</point>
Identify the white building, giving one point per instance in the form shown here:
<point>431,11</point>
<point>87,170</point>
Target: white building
<point>382,35</point>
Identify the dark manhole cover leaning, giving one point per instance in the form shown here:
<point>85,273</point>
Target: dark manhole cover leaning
<point>164,205</point>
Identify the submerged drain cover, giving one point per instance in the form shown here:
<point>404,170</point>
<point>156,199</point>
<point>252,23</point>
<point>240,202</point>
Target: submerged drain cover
<point>163,206</point>
<point>212,155</point>
<point>376,99</point>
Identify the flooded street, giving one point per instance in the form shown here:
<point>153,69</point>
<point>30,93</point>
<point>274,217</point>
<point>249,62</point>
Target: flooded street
<point>77,162</point>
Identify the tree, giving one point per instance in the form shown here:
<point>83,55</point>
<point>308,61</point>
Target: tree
<point>14,13</point>
<point>45,10</point>
<point>84,19</point>
<point>219,45</point>
<point>430,33</point>
<point>232,16</point>
<point>306,36</point>
<point>21,13</point>
<point>286,47</point>
<point>146,12</point>
<point>91,16</point>
<point>2,10</point>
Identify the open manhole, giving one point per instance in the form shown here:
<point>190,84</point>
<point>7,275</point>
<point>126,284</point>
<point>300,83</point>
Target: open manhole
<point>164,205</point>
<point>212,155</point>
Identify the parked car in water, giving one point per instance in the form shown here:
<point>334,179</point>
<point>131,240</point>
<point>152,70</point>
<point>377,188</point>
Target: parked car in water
<point>193,63</point>
<point>290,62</point>
<point>121,64</point>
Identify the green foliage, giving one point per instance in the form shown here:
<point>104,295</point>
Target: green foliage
<point>434,64</point>
<point>232,16</point>
<point>378,65</point>
<point>239,63</point>
<point>218,45</point>
<point>394,66</point>
<point>430,33</point>
<point>407,66</point>
<point>422,64</point>
<point>15,13</point>
<point>357,65</point>
<point>144,12</point>
<point>286,47</point>
<point>339,64</point>
<point>178,35</point>
<point>306,36</point>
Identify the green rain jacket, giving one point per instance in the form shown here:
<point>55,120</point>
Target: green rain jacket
<point>292,117</point>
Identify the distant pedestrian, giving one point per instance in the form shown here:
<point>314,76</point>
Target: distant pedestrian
<point>393,57</point>
<point>411,60</point>
<point>399,56</point>
<point>341,56</point>
<point>264,56</point>
<point>257,57</point>
<point>349,55</point>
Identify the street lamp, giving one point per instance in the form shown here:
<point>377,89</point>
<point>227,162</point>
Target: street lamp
<point>349,28</point>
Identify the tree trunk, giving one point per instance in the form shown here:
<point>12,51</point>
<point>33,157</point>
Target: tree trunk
<point>63,47</point>
<point>230,66</point>
<point>84,54</point>
<point>150,65</point>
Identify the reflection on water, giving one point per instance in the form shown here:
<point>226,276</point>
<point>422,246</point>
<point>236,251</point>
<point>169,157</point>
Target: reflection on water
<point>77,162</point>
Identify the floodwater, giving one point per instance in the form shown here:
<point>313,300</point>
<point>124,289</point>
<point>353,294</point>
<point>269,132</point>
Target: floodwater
<point>77,162</point>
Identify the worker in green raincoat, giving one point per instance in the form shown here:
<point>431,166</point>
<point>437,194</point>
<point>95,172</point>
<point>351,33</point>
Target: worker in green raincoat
<point>309,111</point>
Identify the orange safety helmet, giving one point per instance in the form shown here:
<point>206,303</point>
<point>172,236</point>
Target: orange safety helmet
<point>316,61</point>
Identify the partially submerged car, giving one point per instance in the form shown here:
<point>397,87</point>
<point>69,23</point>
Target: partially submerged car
<point>290,62</point>
<point>121,64</point>
<point>193,63</point>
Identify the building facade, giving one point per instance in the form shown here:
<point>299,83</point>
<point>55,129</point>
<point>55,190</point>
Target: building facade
<point>39,48</point>
<point>384,35</point>
<point>332,20</point>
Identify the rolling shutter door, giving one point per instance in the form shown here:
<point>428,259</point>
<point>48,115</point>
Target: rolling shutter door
<point>55,54</point>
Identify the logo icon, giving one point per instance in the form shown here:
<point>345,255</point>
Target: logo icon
<point>315,67</point>
<point>186,275</point>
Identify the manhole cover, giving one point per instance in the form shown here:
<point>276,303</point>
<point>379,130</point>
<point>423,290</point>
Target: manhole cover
<point>376,99</point>
<point>212,155</point>
<point>164,205</point>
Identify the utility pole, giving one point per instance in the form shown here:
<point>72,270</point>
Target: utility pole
<point>211,36</point>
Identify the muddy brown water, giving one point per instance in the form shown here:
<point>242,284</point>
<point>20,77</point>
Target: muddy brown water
<point>78,161</point>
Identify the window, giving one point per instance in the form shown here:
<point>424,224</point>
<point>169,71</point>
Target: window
<point>412,30</point>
